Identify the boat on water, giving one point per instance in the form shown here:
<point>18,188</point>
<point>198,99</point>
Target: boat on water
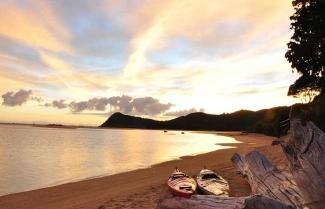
<point>181,185</point>
<point>211,183</point>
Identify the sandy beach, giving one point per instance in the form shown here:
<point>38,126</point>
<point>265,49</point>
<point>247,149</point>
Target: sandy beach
<point>142,188</point>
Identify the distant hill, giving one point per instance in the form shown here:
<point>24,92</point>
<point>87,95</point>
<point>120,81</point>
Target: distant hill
<point>266,121</point>
<point>242,120</point>
<point>119,120</point>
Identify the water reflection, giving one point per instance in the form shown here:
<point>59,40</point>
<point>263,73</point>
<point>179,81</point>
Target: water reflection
<point>32,157</point>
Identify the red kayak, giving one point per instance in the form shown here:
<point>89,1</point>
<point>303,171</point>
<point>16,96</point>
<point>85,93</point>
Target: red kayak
<point>181,185</point>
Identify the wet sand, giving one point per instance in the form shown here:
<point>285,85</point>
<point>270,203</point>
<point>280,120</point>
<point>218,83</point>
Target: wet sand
<point>141,189</point>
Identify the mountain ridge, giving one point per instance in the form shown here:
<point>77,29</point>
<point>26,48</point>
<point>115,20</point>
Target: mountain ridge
<point>242,120</point>
<point>265,121</point>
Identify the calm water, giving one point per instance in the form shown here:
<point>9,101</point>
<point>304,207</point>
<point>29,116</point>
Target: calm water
<point>32,157</point>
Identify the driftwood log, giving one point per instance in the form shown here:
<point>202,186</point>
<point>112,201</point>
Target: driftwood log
<point>305,151</point>
<point>278,189</point>
<point>303,187</point>
<point>267,180</point>
<point>216,202</point>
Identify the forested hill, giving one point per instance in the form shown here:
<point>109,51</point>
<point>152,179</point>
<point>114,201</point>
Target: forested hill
<point>264,121</point>
<point>243,120</point>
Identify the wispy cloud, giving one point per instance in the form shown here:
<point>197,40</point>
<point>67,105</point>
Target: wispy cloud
<point>231,24</point>
<point>220,55</point>
<point>26,24</point>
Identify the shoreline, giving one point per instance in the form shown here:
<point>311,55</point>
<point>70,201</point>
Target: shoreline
<point>139,188</point>
<point>75,180</point>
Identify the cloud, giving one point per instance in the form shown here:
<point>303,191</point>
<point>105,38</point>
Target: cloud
<point>25,24</point>
<point>183,112</point>
<point>121,103</point>
<point>40,47</point>
<point>137,106</point>
<point>77,49</point>
<point>149,106</point>
<point>37,99</point>
<point>18,50</point>
<point>16,98</point>
<point>125,104</point>
<point>231,24</point>
<point>60,104</point>
<point>92,104</point>
<point>67,74</point>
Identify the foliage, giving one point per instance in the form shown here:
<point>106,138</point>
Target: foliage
<point>305,89</point>
<point>306,49</point>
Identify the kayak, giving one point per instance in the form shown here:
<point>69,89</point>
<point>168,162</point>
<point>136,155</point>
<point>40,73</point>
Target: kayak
<point>181,185</point>
<point>211,183</point>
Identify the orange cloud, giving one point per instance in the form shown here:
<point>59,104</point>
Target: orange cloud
<point>225,80</point>
<point>202,21</point>
<point>74,80</point>
<point>39,27</point>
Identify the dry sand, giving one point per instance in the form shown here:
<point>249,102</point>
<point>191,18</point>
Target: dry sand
<point>141,189</point>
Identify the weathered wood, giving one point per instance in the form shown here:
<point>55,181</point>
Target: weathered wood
<point>305,151</point>
<point>217,202</point>
<point>265,179</point>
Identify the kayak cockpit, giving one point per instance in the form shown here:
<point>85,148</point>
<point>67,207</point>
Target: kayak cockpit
<point>177,174</point>
<point>210,176</point>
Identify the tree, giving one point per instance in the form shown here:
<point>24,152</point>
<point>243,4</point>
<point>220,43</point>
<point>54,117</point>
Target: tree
<point>306,49</point>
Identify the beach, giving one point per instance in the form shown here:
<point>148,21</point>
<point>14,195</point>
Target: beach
<point>142,188</point>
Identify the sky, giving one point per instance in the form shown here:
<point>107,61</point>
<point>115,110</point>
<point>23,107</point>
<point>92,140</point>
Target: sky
<point>78,61</point>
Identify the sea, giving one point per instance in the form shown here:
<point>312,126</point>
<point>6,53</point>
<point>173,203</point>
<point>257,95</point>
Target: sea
<point>38,157</point>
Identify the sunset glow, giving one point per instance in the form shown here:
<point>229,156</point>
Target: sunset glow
<point>76,62</point>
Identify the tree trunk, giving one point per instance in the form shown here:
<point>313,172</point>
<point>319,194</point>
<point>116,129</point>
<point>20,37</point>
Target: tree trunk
<point>265,179</point>
<point>305,151</point>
